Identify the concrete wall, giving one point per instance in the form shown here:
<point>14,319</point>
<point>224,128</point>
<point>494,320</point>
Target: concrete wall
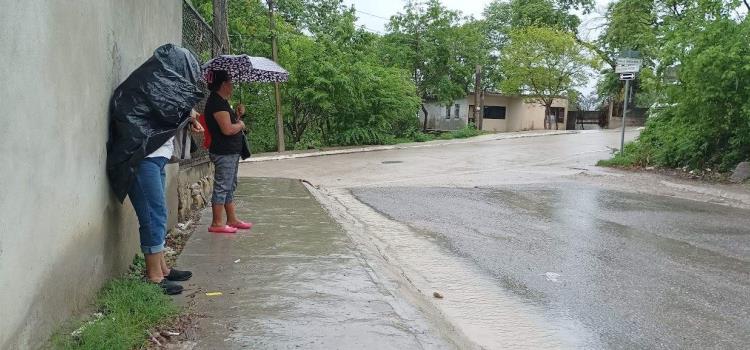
<point>518,107</point>
<point>195,187</point>
<point>531,115</point>
<point>436,115</point>
<point>62,233</point>
<point>616,122</point>
<point>520,114</point>
<point>497,125</point>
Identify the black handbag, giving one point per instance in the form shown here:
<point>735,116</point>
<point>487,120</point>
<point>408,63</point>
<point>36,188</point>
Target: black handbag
<point>245,154</point>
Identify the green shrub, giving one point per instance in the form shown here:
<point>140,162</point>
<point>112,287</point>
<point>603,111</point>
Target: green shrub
<point>469,130</point>
<point>422,137</point>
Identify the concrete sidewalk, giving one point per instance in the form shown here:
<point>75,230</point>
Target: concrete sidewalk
<point>295,281</point>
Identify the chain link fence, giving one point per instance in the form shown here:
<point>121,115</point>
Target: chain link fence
<point>198,37</point>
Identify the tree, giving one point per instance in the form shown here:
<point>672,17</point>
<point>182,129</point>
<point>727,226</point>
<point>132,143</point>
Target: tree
<point>543,64</point>
<point>706,121</point>
<point>589,102</point>
<point>503,16</point>
<point>630,25</point>
<point>439,47</point>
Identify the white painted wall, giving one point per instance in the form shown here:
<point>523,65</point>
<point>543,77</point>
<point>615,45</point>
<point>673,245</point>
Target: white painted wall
<point>62,233</point>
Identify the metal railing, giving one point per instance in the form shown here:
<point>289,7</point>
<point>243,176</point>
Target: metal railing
<point>199,38</point>
<point>197,35</point>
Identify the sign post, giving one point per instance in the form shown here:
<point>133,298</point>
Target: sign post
<point>624,113</point>
<point>627,67</point>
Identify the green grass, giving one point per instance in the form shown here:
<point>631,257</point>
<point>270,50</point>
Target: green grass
<point>630,158</point>
<point>130,307</point>
<point>615,162</point>
<point>421,137</point>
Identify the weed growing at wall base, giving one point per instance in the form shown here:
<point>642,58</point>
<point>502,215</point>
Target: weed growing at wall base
<point>128,308</point>
<point>632,157</point>
<point>466,132</point>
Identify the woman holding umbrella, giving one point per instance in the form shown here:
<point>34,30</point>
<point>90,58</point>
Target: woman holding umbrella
<point>228,143</point>
<point>227,139</point>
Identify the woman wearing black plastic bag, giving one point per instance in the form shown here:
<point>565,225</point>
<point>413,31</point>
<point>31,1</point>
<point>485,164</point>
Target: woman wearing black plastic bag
<point>148,196</point>
<point>227,142</point>
<point>147,110</point>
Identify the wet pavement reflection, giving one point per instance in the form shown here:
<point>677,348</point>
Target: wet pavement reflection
<point>638,271</point>
<point>293,281</point>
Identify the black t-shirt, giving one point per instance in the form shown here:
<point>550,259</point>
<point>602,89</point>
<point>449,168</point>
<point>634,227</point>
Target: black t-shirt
<point>220,143</point>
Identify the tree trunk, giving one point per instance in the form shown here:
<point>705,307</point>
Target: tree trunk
<point>327,133</point>
<point>557,125</point>
<point>221,26</point>
<point>547,124</point>
<point>424,126</point>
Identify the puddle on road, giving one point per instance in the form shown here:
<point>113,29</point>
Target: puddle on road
<point>482,312</point>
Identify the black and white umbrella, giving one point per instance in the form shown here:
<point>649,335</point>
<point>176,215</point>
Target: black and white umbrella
<point>246,69</point>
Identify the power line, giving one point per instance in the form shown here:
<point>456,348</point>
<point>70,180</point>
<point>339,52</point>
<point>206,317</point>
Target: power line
<point>374,31</point>
<point>371,15</point>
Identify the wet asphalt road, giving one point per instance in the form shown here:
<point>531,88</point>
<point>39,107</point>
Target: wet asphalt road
<point>534,215</point>
<point>639,271</point>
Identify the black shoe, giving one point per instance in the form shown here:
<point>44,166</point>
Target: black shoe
<point>169,287</point>
<point>177,275</point>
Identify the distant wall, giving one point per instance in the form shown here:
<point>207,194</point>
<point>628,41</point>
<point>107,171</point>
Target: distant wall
<point>520,114</point>
<point>532,115</point>
<point>62,233</point>
<point>437,118</point>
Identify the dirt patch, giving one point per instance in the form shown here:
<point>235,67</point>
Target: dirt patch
<point>178,237</point>
<point>707,175</point>
<point>179,333</point>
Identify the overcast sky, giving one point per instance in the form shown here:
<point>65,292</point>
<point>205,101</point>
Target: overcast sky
<point>374,15</point>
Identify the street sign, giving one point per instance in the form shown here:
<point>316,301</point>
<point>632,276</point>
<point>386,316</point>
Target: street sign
<point>628,65</point>
<point>630,68</point>
<point>627,76</point>
<point>629,61</point>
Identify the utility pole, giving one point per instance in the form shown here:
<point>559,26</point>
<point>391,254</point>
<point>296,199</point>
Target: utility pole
<point>280,146</point>
<point>477,88</point>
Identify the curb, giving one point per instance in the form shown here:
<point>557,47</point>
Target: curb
<point>404,146</point>
<point>738,198</point>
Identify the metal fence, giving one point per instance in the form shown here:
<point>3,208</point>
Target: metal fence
<point>198,37</point>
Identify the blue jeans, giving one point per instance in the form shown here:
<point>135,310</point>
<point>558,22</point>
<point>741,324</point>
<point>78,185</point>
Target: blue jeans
<point>225,177</point>
<point>147,193</point>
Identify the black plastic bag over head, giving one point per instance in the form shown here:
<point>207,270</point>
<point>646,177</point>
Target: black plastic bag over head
<point>147,109</point>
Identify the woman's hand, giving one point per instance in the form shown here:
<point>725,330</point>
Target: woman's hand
<point>240,110</point>
<point>195,126</point>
